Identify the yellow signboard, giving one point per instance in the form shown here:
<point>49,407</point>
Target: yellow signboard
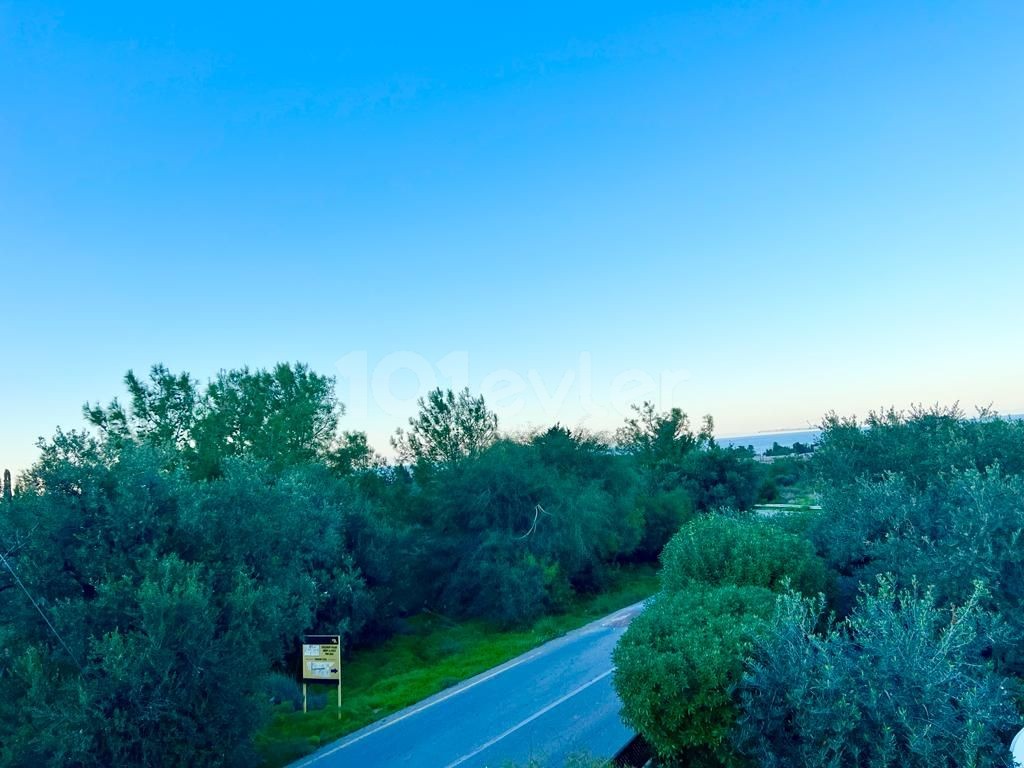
<point>321,658</point>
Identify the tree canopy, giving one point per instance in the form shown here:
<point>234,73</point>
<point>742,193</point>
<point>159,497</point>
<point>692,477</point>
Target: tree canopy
<point>195,529</point>
<point>287,416</point>
<point>448,428</point>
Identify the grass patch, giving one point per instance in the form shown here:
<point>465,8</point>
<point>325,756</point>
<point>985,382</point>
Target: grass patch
<point>435,654</point>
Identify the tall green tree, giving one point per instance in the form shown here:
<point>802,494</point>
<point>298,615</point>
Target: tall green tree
<point>162,411</point>
<point>524,524</point>
<point>671,457</point>
<point>448,428</point>
<point>286,416</point>
<point>660,441</point>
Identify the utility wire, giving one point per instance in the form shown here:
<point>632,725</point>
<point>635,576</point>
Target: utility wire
<point>22,543</point>
<point>36,605</point>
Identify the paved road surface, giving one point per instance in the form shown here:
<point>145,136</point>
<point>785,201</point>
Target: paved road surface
<point>546,704</point>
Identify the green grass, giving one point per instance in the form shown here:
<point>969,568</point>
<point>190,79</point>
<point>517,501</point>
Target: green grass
<point>435,654</point>
<point>802,494</point>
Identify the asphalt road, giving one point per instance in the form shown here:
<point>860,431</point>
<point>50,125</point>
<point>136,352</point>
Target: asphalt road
<point>546,704</point>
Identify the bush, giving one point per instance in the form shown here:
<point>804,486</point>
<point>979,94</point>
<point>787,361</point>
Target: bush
<point>722,477</point>
<point>523,525</point>
<point>163,588</point>
<point>787,472</point>
<point>159,689</point>
<point>663,513</point>
<point>718,550</point>
<point>285,689</point>
<point>902,683</point>
<point>920,444</point>
<point>676,663</point>
<point>966,527</point>
<point>501,581</point>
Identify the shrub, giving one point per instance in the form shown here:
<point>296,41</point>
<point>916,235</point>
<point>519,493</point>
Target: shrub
<point>921,444</point>
<point>160,689</point>
<point>162,588</point>
<point>676,663</point>
<point>722,477</point>
<point>901,683</point>
<point>663,513</point>
<point>526,524</point>
<point>965,527</point>
<point>718,550</point>
<point>285,689</point>
<point>501,581</point>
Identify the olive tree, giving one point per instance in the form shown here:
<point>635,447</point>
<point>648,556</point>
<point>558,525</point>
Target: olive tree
<point>902,682</point>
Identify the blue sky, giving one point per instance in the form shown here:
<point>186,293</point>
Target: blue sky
<point>758,210</point>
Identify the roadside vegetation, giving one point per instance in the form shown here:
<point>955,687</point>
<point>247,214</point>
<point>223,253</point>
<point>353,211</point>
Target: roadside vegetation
<point>161,565</point>
<point>426,655</point>
<point>170,555</point>
<point>885,630</point>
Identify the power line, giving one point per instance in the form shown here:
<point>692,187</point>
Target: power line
<point>28,594</point>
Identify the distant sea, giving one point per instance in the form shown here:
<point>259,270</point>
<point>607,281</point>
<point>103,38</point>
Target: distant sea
<point>762,441</point>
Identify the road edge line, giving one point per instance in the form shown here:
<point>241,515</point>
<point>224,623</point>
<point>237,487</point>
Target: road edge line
<point>530,719</point>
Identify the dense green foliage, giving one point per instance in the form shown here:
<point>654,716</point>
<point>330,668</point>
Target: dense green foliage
<point>181,547</point>
<point>787,479</point>
<point>527,524</point>
<point>920,445</point>
<point>720,551</point>
<point>286,416</point>
<point>962,528</point>
<point>900,683</point>
<point>678,661</point>
<point>923,500</point>
<point>448,429</point>
<point>163,590</point>
<point>952,516</point>
<point>671,457</point>
<point>200,530</point>
<point>910,655</point>
<point>676,664</point>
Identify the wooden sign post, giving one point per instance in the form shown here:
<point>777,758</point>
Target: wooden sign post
<point>321,663</point>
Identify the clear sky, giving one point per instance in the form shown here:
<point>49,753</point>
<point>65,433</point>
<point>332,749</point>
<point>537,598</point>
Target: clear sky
<point>758,210</point>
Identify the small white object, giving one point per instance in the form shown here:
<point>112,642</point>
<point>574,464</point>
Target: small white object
<point>1017,748</point>
<point>310,650</point>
